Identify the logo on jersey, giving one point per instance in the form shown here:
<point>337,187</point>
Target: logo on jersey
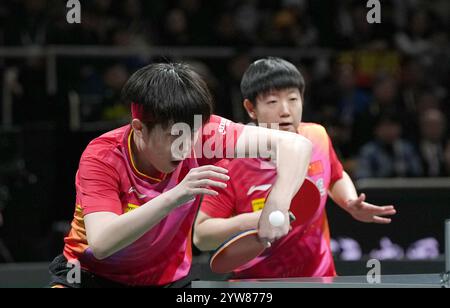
<point>258,188</point>
<point>321,186</point>
<point>223,125</point>
<point>134,190</point>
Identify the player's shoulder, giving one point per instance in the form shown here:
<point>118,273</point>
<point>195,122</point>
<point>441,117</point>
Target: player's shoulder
<point>215,119</point>
<point>310,126</point>
<point>218,120</point>
<point>105,145</point>
<point>222,123</point>
<point>312,130</point>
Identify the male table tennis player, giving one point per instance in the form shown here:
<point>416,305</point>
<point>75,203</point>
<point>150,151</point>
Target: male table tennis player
<point>273,91</point>
<point>138,194</point>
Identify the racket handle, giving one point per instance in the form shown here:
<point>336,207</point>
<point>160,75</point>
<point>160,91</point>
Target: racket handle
<point>292,217</point>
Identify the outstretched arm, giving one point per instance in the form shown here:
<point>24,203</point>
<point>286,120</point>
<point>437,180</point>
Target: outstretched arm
<point>343,192</point>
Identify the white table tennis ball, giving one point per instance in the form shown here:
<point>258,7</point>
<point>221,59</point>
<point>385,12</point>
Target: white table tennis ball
<point>277,219</point>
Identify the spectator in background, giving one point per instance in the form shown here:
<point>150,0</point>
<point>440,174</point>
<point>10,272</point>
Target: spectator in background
<point>100,93</point>
<point>27,24</point>
<point>415,40</point>
<point>197,16</point>
<point>339,103</point>
<point>246,20</point>
<point>427,100</point>
<point>352,26</point>
<point>104,19</point>
<point>341,137</point>
<point>290,27</point>
<point>236,69</point>
<point>385,101</point>
<point>412,79</point>
<point>389,155</point>
<point>352,101</point>
<point>226,32</point>
<point>131,29</point>
<point>176,28</point>
<point>432,143</point>
<point>113,108</point>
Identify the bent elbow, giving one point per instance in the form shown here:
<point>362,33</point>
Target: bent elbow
<point>200,242</point>
<point>305,145</point>
<point>99,252</point>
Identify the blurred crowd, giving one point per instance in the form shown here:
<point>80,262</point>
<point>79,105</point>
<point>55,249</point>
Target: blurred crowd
<point>382,91</point>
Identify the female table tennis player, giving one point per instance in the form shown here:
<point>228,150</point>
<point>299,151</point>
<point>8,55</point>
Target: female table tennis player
<point>273,91</point>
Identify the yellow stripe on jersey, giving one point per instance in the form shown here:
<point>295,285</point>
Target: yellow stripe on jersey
<point>134,164</point>
<point>258,204</point>
<point>131,207</point>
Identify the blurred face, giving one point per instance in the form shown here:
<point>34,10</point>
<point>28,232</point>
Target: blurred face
<point>161,150</point>
<point>115,77</point>
<point>280,107</point>
<point>433,126</point>
<point>176,22</point>
<point>386,91</point>
<point>389,132</point>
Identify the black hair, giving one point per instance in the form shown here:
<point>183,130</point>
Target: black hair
<point>269,74</point>
<point>169,93</point>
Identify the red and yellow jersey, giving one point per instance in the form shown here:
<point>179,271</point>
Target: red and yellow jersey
<point>108,181</point>
<point>305,252</point>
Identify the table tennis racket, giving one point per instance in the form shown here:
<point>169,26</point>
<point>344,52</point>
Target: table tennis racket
<point>245,246</point>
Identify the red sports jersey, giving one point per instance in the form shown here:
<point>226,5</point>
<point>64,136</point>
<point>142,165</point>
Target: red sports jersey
<point>108,181</point>
<point>305,252</point>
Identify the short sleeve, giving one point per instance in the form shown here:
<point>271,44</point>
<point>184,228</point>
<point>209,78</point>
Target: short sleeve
<point>223,205</point>
<point>98,187</point>
<point>337,171</point>
<point>219,139</point>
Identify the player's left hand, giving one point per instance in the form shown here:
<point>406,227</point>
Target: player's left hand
<point>369,213</point>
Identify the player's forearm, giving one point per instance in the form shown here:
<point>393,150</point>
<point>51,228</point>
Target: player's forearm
<point>292,153</point>
<point>293,156</point>
<point>122,231</point>
<point>211,233</point>
<point>343,190</point>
